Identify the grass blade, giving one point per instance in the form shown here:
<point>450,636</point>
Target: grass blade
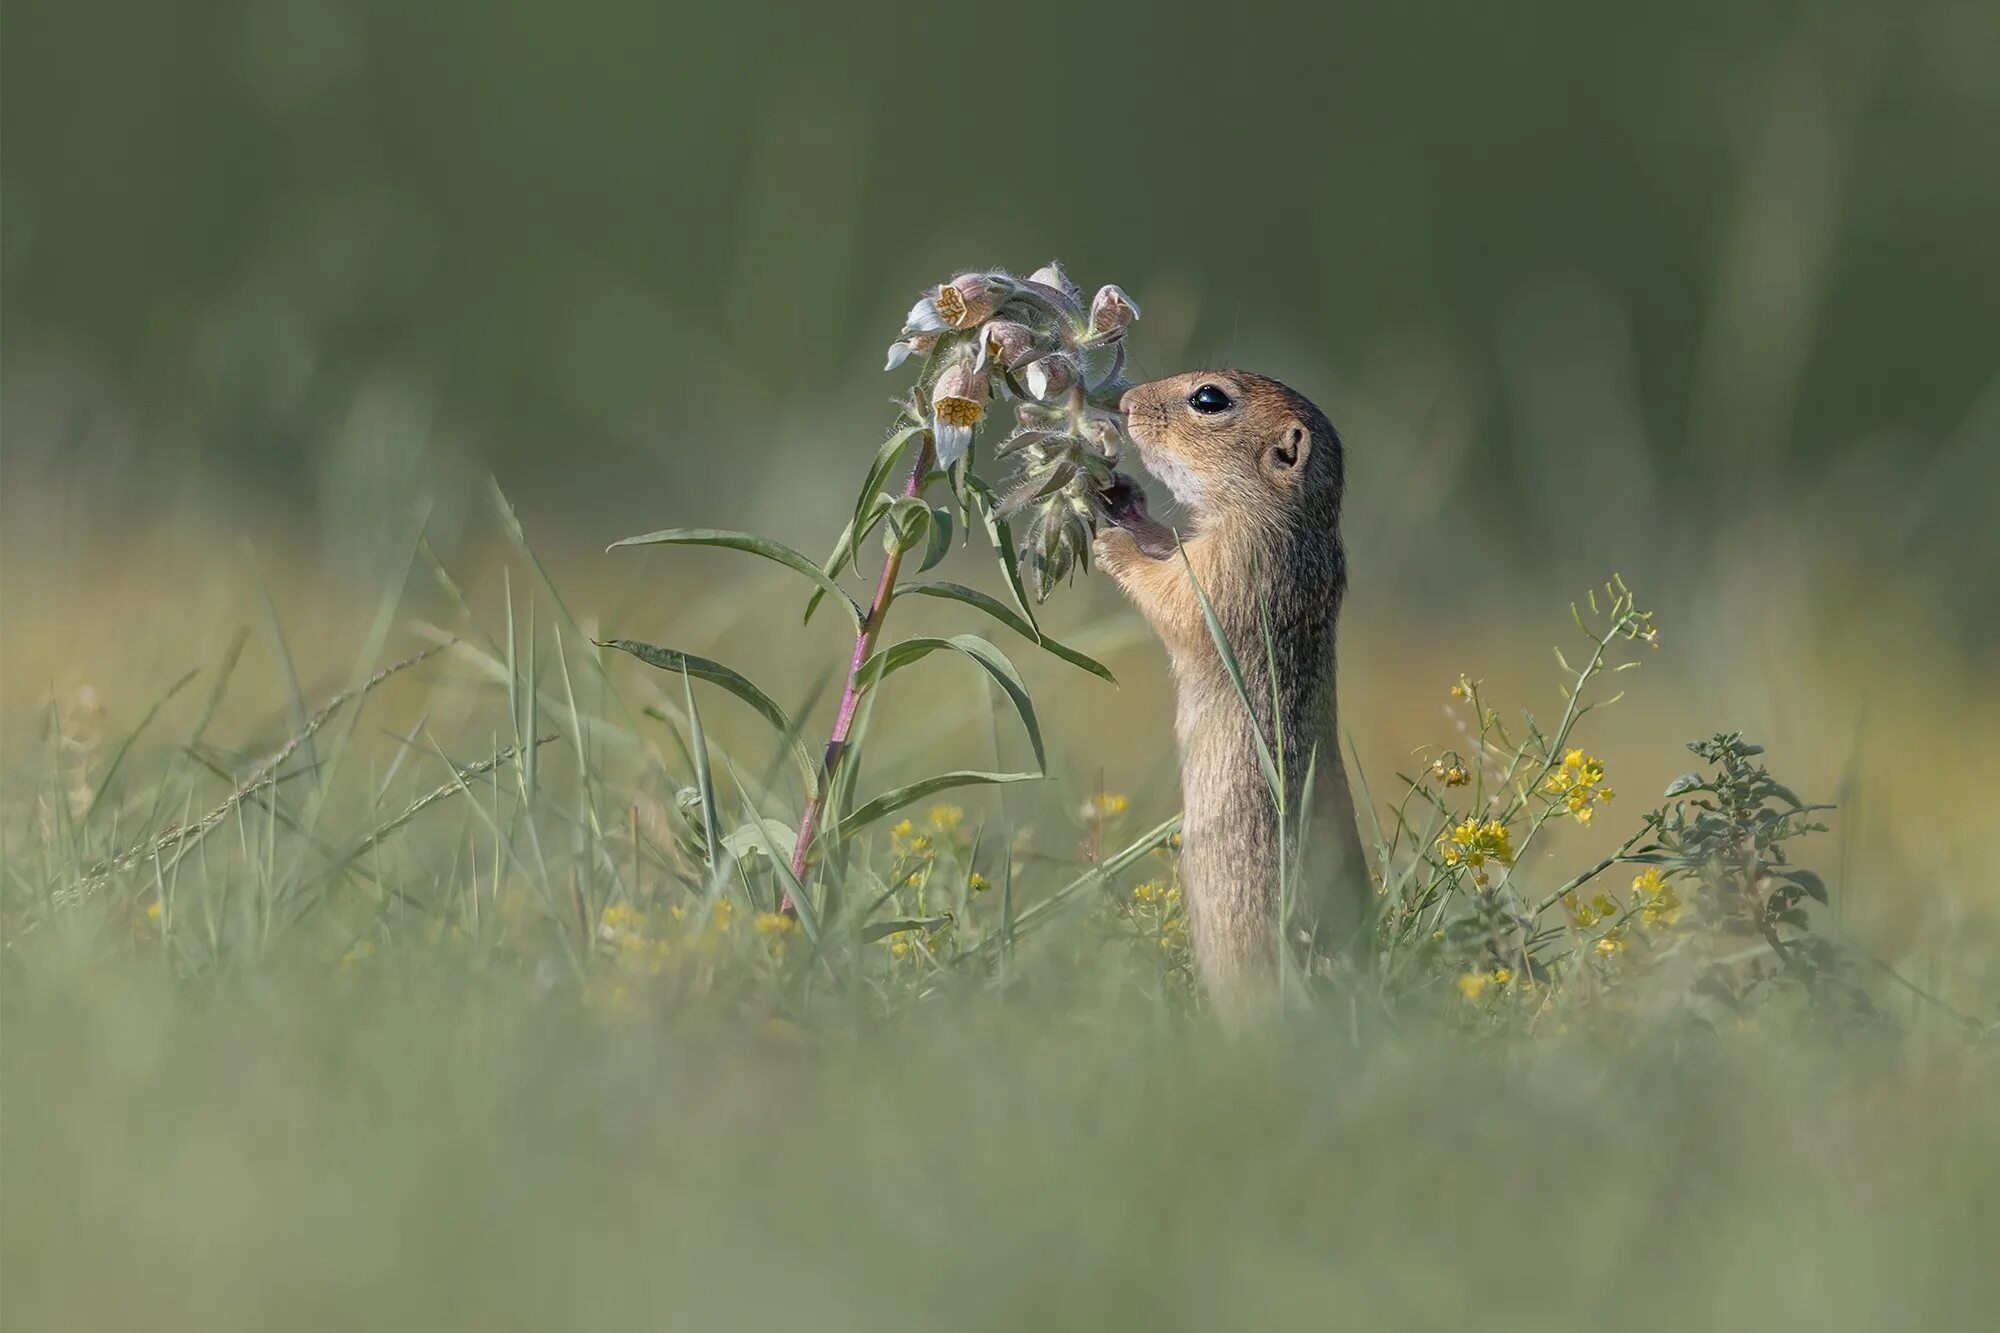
<point>125,746</point>
<point>1235,671</point>
<point>715,673</point>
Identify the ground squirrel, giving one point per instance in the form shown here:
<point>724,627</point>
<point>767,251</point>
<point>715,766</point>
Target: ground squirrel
<point>1257,470</point>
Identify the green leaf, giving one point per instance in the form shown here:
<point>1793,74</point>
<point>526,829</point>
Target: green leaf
<point>940,534</point>
<point>844,550</point>
<point>1686,782</point>
<point>1808,881</point>
<point>668,659</point>
<point>1001,535</point>
<point>869,505</point>
<point>995,663</point>
<point>993,606</point>
<point>891,801</point>
<point>909,524</point>
<point>878,477</point>
<point>711,825</point>
<point>777,552</point>
<point>744,840</point>
<point>877,930</point>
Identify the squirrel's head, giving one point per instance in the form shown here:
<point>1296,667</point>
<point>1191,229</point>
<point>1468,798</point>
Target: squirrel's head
<point>1233,446</point>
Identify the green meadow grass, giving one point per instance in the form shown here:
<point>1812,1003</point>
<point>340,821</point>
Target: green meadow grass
<point>420,1001</point>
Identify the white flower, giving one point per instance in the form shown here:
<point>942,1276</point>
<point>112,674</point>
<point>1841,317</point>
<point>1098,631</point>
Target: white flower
<point>899,352</point>
<point>924,317</point>
<point>967,301</point>
<point>1005,342</point>
<point>958,403</point>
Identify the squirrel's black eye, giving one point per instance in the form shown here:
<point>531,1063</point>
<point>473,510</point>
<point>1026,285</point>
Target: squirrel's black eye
<point>1209,398</point>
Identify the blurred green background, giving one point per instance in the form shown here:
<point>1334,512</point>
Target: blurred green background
<point>616,248</point>
<point>1702,293</point>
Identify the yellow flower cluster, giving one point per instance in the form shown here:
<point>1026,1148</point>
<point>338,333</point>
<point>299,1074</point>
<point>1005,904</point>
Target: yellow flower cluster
<point>1105,805</point>
<point>1579,782</point>
<point>1157,907</point>
<point>776,929</point>
<point>1474,985</point>
<point>1473,843</point>
<point>623,927</point>
<point>1659,905</point>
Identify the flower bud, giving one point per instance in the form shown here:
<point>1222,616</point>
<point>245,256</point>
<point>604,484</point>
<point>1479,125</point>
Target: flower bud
<point>1051,275</point>
<point>1111,313</point>
<point>1051,377</point>
<point>966,301</point>
<point>1005,342</point>
<point>1102,431</point>
<point>958,403</point>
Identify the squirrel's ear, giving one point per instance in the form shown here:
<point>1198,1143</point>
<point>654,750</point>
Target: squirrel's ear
<point>1288,455</point>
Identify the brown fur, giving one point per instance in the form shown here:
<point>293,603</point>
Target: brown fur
<point>1261,486</point>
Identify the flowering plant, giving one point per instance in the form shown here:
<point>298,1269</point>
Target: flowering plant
<point>984,337</point>
<point>1035,342</point>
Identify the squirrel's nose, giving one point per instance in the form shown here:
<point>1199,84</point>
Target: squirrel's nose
<point>1129,401</point>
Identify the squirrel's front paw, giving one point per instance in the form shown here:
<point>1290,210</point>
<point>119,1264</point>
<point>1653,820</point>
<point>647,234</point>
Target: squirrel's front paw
<point>1115,551</point>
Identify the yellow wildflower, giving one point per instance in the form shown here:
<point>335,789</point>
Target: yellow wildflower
<point>1474,842</point>
<point>977,882</point>
<point>1105,805</point>
<point>1472,985</point>
<point>945,818</point>
<point>920,844</point>
<point>723,916</point>
<point>1456,776</point>
<point>1502,975</point>
<point>899,948</point>
<point>1578,781</point>
<point>1659,904</point>
<point>1144,892</point>
<point>775,923</point>
<point>154,911</point>
<point>1612,943</point>
<point>1462,690</point>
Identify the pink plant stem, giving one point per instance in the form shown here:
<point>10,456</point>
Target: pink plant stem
<point>850,699</point>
